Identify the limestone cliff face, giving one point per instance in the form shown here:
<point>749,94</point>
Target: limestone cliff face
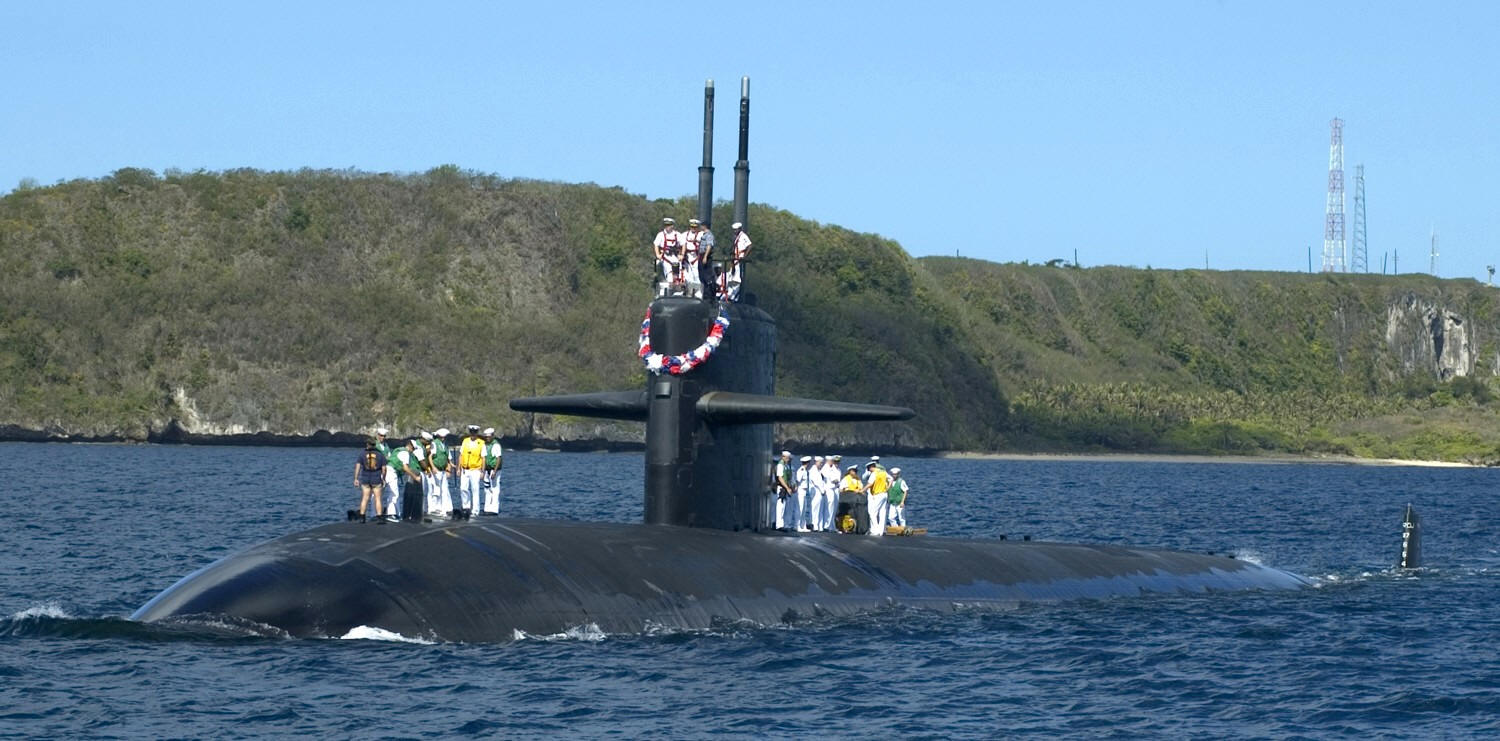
<point>1424,335</point>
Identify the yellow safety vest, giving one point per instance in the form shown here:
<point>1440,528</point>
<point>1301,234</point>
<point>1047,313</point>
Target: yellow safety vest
<point>471,453</point>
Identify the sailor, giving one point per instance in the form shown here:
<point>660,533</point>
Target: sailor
<point>412,494</point>
<point>735,274</point>
<point>392,479</point>
<point>895,512</point>
<point>850,501</point>
<point>802,484</point>
<point>705,257</point>
<point>667,246</point>
<point>816,495</point>
<point>782,488</point>
<point>434,506</point>
<point>441,467</point>
<point>692,255</point>
<point>830,474</point>
<point>470,469</point>
<point>369,474</point>
<point>492,465</point>
<point>878,483</point>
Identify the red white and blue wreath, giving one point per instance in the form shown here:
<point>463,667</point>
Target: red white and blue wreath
<point>679,364</point>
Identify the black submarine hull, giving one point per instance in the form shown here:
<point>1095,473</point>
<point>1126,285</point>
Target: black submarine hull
<point>495,580</point>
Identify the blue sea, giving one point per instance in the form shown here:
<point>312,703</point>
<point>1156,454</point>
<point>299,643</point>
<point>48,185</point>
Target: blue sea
<point>94,531</point>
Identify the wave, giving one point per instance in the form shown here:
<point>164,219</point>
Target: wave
<point>51,620</point>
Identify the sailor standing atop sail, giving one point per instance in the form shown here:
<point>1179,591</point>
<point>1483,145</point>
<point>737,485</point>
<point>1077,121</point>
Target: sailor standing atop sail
<point>668,250</point>
<point>703,242</point>
<point>470,469</point>
<point>492,465</point>
<point>691,252</point>
<point>735,274</point>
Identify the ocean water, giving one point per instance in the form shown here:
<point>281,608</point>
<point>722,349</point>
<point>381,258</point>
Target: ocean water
<point>94,531</point>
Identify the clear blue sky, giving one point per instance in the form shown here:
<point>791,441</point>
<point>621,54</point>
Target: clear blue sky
<point>1137,133</point>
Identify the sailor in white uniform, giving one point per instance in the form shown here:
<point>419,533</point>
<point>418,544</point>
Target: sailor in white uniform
<point>831,478</point>
<point>442,470</point>
<point>667,246</point>
<point>492,465</point>
<point>802,484</point>
<point>692,254</point>
<point>470,469</point>
<point>735,274</point>
<point>392,483</point>
<point>815,500</point>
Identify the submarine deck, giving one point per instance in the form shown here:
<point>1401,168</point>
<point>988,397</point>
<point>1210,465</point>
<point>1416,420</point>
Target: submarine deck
<point>485,580</point>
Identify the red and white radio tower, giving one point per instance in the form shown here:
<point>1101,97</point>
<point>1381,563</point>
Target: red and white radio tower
<point>1335,259</point>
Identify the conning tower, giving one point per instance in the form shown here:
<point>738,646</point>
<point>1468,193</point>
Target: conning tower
<point>708,429</point>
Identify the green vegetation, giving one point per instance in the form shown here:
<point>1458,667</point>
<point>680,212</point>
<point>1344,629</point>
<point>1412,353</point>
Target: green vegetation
<point>294,302</point>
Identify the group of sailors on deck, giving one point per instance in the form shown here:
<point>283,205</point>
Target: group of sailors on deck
<point>817,496</point>
<point>685,258</point>
<point>414,480</point>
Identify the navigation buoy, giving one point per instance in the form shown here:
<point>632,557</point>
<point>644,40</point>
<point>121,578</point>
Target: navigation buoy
<point>1411,539</point>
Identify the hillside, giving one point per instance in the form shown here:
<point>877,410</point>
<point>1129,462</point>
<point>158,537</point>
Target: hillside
<point>255,305</point>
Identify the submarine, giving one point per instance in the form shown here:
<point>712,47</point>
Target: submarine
<point>706,553</point>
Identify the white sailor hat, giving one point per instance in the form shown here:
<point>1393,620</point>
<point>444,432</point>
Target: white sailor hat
<point>473,428</point>
<point>381,430</point>
<point>735,225</point>
<point>852,469</point>
<point>896,471</point>
<point>875,458</point>
<point>694,222</point>
<point>667,220</point>
<point>807,459</point>
<point>817,459</point>
<point>426,435</point>
<point>489,430</point>
<point>838,457</point>
<point>786,454</point>
<point>442,432</point>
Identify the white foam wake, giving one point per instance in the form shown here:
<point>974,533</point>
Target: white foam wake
<point>589,632</point>
<point>367,633</point>
<point>44,610</point>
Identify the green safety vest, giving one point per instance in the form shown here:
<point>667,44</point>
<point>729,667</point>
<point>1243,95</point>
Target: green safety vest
<point>898,492</point>
<point>439,455</point>
<point>492,454</point>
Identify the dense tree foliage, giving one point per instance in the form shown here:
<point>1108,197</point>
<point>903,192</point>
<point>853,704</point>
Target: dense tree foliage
<point>294,302</point>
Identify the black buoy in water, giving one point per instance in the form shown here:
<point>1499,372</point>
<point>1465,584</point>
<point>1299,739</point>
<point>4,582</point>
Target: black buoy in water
<point>1411,539</point>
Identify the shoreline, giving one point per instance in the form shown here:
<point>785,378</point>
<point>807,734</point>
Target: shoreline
<point>1270,460</point>
<point>326,439</point>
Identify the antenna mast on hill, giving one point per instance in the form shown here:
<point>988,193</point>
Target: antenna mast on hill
<point>1333,225</point>
<point>1359,263</point>
<point>1432,256</point>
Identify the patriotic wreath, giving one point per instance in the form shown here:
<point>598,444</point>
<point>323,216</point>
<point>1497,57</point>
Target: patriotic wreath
<point>679,364</point>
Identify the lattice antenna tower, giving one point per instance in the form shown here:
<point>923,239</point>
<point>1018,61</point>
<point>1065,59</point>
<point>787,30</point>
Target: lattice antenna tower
<point>1334,258</point>
<point>1359,262</point>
